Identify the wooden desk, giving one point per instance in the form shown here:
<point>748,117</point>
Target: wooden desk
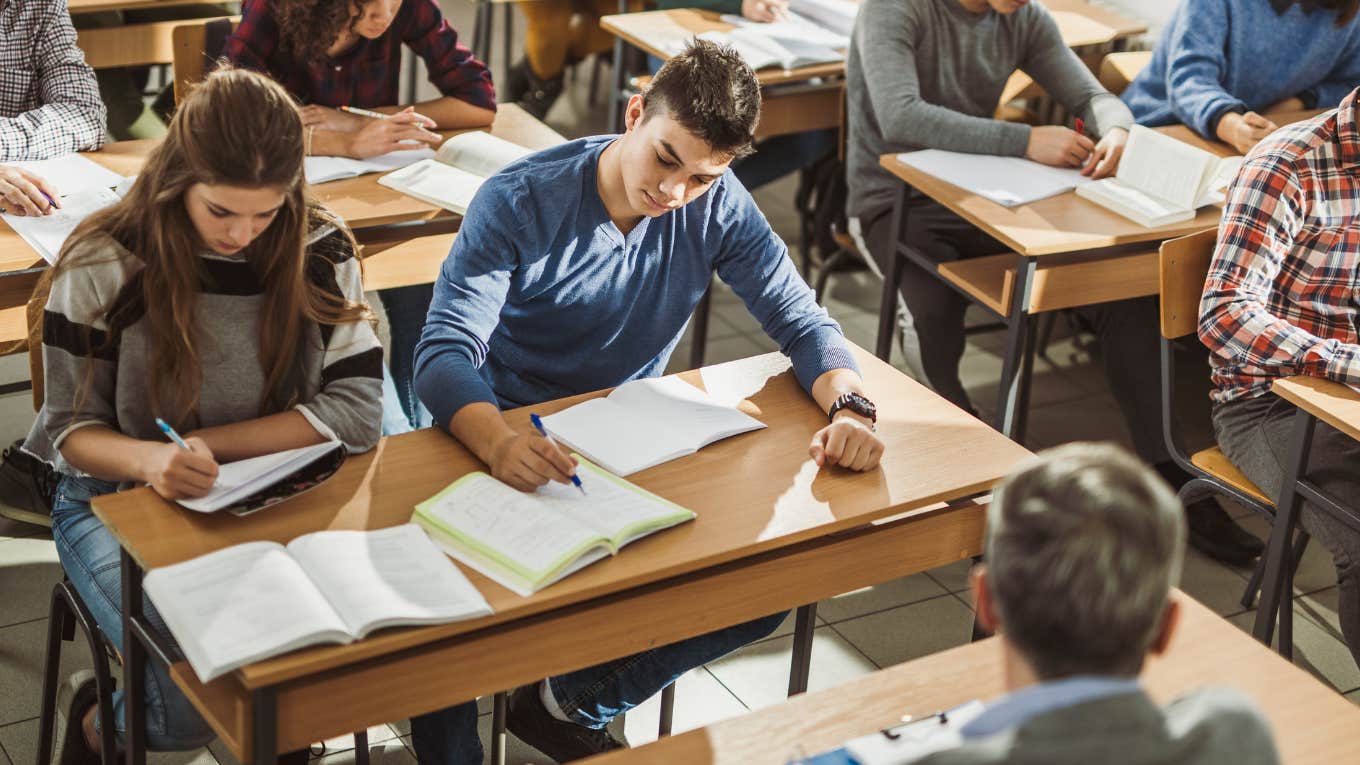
<point>92,6</point>
<point>1317,400</point>
<point>1063,225</point>
<point>773,532</point>
<point>1311,722</point>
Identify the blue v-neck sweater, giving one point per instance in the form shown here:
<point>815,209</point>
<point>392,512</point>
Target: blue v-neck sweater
<point>1220,55</point>
<point>542,296</point>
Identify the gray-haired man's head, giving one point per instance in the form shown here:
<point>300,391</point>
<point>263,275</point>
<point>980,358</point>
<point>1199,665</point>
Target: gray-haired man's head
<point>1083,546</point>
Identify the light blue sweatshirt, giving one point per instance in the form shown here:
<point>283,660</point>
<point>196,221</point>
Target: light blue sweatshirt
<point>1220,55</point>
<point>542,296</point>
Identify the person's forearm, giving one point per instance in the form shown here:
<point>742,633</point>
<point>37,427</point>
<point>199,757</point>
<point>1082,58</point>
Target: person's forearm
<point>836,383</point>
<point>264,435</point>
<point>480,426</point>
<point>448,113</point>
<point>107,454</point>
<point>329,143</point>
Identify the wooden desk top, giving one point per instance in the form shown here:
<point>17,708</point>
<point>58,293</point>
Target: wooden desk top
<point>753,493</point>
<point>89,6</point>
<point>1066,222</point>
<point>360,201</point>
<point>1335,404</point>
<point>1311,722</point>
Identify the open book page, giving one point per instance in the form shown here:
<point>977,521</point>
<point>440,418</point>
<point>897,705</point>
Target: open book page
<point>506,526</point>
<point>759,50</point>
<point>71,173</point>
<point>239,604</point>
<point>434,182</point>
<point>390,576</point>
<point>618,510</point>
<point>1163,167</point>
<point>1134,204</point>
<point>479,153</point>
<point>622,438</point>
<point>835,15</point>
<point>47,233</point>
<point>323,169</point>
<point>682,411</point>
<point>1007,181</point>
<point>792,27</point>
<point>238,480</point>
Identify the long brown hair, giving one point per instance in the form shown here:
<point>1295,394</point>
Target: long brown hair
<point>237,128</point>
<point>311,27</point>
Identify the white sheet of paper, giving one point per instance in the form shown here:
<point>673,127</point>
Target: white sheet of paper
<point>238,480</point>
<point>1007,181</point>
<point>71,173</point>
<point>323,169</point>
<point>47,233</point>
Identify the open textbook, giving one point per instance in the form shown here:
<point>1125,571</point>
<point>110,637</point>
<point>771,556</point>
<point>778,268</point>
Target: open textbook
<point>760,50</point>
<point>644,423</point>
<point>83,187</point>
<point>245,486</point>
<point>451,178</point>
<point>1162,180</point>
<point>323,169</point>
<point>259,599</point>
<point>528,541</point>
<point>1007,181</point>
<point>792,27</point>
<point>837,16</point>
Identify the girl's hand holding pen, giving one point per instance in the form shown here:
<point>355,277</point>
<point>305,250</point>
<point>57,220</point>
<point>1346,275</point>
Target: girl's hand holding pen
<point>180,472</point>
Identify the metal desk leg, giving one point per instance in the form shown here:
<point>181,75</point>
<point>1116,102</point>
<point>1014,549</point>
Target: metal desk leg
<point>698,336</point>
<point>663,727</point>
<point>264,723</point>
<point>887,306</point>
<point>1274,586</point>
<point>1026,377</point>
<point>805,621</point>
<point>361,747</point>
<point>134,663</point>
<point>411,73</point>
<point>498,729</point>
<point>1018,344</point>
<point>616,101</point>
<point>508,41</point>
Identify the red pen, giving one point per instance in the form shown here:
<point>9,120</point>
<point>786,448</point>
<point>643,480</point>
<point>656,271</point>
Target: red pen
<point>1081,127</point>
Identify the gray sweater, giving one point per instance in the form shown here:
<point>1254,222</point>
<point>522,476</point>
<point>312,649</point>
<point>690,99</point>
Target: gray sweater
<point>928,74</point>
<point>339,367</point>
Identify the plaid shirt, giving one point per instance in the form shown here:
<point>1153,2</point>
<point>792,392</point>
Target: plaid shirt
<point>367,74</point>
<point>1282,293</point>
<point>49,100</point>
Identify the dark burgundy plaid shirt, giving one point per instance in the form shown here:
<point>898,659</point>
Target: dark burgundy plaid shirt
<point>367,75</point>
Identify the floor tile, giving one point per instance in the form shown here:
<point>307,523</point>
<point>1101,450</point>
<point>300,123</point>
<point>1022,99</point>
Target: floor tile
<point>954,576</point>
<point>11,529</point>
<point>758,675</point>
<point>22,647</point>
<point>880,597</point>
<point>1080,419</point>
<point>516,751</point>
<point>1212,583</point>
<point>1316,572</point>
<point>21,741</point>
<point>390,752</point>
<point>29,569</point>
<point>699,700</point>
<point>1317,644</point>
<point>908,632</point>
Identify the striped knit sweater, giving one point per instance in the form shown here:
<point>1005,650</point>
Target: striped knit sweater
<point>340,367</point>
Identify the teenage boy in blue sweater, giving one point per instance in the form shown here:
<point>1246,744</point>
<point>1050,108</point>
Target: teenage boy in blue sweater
<point>1224,67</point>
<point>577,269</point>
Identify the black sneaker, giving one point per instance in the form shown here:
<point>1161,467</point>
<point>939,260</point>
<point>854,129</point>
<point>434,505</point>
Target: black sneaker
<point>27,486</point>
<point>562,741</point>
<point>1214,533</point>
<point>541,94</point>
<point>77,696</point>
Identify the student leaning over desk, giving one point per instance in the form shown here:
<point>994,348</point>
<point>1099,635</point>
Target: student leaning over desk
<point>49,100</point>
<point>577,268</point>
<point>214,296</point>
<point>348,53</point>
<point>1223,67</point>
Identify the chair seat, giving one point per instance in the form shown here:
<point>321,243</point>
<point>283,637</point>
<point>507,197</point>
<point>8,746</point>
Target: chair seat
<point>1214,462</point>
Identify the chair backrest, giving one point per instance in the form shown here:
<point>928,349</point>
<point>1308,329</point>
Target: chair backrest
<point>1117,70</point>
<point>1183,267</point>
<point>196,46</point>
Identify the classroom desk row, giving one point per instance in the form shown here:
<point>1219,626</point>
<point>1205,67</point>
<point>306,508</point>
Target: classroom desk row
<point>1068,252</point>
<point>773,533</point>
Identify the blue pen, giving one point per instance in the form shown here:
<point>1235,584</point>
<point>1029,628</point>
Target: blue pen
<point>171,434</point>
<point>538,423</point>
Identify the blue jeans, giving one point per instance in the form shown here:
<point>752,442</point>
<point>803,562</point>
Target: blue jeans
<point>590,697</point>
<point>406,308</point>
<point>89,556</point>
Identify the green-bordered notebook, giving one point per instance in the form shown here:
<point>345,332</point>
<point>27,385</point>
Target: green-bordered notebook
<point>528,541</point>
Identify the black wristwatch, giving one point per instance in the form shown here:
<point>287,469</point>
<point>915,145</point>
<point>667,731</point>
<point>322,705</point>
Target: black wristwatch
<point>857,404</point>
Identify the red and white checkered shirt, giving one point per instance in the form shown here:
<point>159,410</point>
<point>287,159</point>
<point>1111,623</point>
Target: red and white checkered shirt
<point>1283,293</point>
<point>49,99</point>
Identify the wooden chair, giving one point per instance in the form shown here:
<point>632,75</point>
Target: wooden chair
<point>196,45</point>
<point>1184,266</point>
<point>1117,70</point>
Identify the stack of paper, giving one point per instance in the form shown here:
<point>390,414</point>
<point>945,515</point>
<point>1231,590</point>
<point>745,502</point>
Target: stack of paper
<point>1007,181</point>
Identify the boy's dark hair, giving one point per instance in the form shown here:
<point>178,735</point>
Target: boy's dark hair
<point>712,93</point>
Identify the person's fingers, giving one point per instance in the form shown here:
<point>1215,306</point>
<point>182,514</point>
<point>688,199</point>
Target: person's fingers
<point>850,453</point>
<point>875,454</point>
<point>20,200</point>
<point>199,464</point>
<point>539,466</point>
<point>406,132</point>
<point>835,444</point>
<point>43,185</point>
<point>1093,161</point>
<point>817,448</point>
<point>528,479</point>
<point>35,195</point>
<point>1085,143</point>
<point>1255,120</point>
<point>560,460</point>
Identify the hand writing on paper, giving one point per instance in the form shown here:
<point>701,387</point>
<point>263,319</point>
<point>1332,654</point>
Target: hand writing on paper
<point>177,473</point>
<point>392,134</point>
<point>1104,160</point>
<point>25,193</point>
<point>526,461</point>
<point>764,10</point>
<point>849,441</point>
<point>1058,146</point>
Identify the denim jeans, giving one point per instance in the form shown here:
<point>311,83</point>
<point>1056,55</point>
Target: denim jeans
<point>590,697</point>
<point>406,308</point>
<point>89,556</point>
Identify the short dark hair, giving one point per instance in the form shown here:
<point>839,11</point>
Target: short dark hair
<point>712,93</point>
<point>1082,547</point>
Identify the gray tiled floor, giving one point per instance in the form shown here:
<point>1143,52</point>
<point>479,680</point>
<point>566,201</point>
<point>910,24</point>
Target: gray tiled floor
<point>858,632</point>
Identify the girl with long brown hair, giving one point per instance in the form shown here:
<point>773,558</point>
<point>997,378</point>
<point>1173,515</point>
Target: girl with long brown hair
<point>215,296</point>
